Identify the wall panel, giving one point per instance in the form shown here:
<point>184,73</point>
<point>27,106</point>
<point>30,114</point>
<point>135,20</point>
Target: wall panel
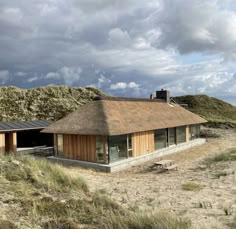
<point>142,143</point>
<point>2,143</point>
<point>79,147</point>
<point>187,134</point>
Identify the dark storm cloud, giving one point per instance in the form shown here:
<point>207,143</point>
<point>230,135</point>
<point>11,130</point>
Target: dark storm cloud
<point>122,46</point>
<point>198,26</point>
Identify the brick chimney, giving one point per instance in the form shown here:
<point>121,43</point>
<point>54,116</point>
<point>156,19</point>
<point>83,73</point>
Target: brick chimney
<point>163,94</point>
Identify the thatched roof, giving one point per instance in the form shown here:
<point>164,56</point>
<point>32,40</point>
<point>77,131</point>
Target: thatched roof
<point>117,116</point>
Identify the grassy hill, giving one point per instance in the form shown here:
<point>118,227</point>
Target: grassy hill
<point>54,102</point>
<point>49,103</point>
<point>217,112</point>
<point>38,194</point>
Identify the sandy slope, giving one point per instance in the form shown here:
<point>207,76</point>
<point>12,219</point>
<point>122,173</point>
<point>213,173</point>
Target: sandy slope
<point>145,188</point>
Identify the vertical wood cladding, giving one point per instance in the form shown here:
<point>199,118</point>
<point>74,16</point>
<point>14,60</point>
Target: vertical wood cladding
<point>187,134</point>
<point>2,143</point>
<point>10,142</point>
<point>142,143</point>
<point>79,147</point>
<point>13,142</point>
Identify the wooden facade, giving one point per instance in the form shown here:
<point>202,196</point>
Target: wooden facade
<point>187,134</point>
<point>142,143</point>
<point>11,143</point>
<point>94,148</point>
<point>79,147</point>
<point>2,143</point>
<point>8,142</point>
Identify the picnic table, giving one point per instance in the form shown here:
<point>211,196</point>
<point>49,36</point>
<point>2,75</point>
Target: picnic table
<point>166,164</point>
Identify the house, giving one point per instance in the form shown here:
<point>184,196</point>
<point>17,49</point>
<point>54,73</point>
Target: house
<point>22,135</point>
<point>112,133</point>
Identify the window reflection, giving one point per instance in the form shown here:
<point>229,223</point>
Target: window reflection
<point>60,145</point>
<point>181,134</point>
<point>160,139</point>
<point>117,147</point>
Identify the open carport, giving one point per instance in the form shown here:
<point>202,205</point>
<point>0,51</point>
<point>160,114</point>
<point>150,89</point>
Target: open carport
<point>23,135</point>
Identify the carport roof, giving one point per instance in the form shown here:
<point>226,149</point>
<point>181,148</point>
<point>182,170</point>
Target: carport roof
<point>23,125</point>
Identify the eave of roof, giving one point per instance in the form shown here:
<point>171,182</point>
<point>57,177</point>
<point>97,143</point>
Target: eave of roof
<point>24,125</point>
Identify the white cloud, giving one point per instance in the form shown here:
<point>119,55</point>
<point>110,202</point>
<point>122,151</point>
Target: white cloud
<point>33,79</point>
<point>4,76</point>
<point>103,80</point>
<point>13,15</point>
<point>67,74</point>
<point>20,74</point>
<point>198,26</point>
<point>118,37</point>
<point>123,85</point>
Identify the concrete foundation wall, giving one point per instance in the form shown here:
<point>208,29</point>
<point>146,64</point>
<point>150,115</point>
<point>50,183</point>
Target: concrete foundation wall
<point>126,163</point>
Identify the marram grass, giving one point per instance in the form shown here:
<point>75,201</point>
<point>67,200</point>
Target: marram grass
<point>49,198</point>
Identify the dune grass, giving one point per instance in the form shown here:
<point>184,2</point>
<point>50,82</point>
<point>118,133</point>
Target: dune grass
<point>217,112</point>
<point>191,186</point>
<point>40,173</point>
<point>229,155</point>
<point>232,225</point>
<point>46,197</point>
<point>139,220</point>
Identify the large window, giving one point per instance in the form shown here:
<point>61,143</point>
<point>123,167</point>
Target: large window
<point>160,139</point>
<point>60,145</point>
<point>129,142</point>
<point>100,149</point>
<point>194,132</point>
<point>181,134</point>
<point>117,147</point>
<point>171,136</point>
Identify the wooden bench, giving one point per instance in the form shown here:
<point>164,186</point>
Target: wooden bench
<point>164,163</point>
<point>171,167</point>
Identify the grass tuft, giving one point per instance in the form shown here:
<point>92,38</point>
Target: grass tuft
<point>41,174</point>
<point>46,197</point>
<point>229,155</point>
<point>232,225</point>
<point>147,221</point>
<point>191,186</point>
<point>5,224</point>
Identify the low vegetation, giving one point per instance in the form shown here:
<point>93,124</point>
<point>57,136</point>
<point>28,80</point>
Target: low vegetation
<point>46,103</point>
<point>38,194</point>
<point>191,186</point>
<point>208,133</point>
<point>232,225</point>
<point>40,174</point>
<point>229,155</point>
<point>54,102</point>
<point>217,112</point>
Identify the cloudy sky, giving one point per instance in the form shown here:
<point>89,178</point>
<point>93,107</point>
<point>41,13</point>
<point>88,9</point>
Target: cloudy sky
<point>124,47</point>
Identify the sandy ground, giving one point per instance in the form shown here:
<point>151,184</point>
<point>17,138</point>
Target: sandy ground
<point>145,188</point>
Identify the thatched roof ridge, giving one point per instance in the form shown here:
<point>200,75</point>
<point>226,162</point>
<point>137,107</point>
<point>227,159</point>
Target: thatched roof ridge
<point>115,117</point>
